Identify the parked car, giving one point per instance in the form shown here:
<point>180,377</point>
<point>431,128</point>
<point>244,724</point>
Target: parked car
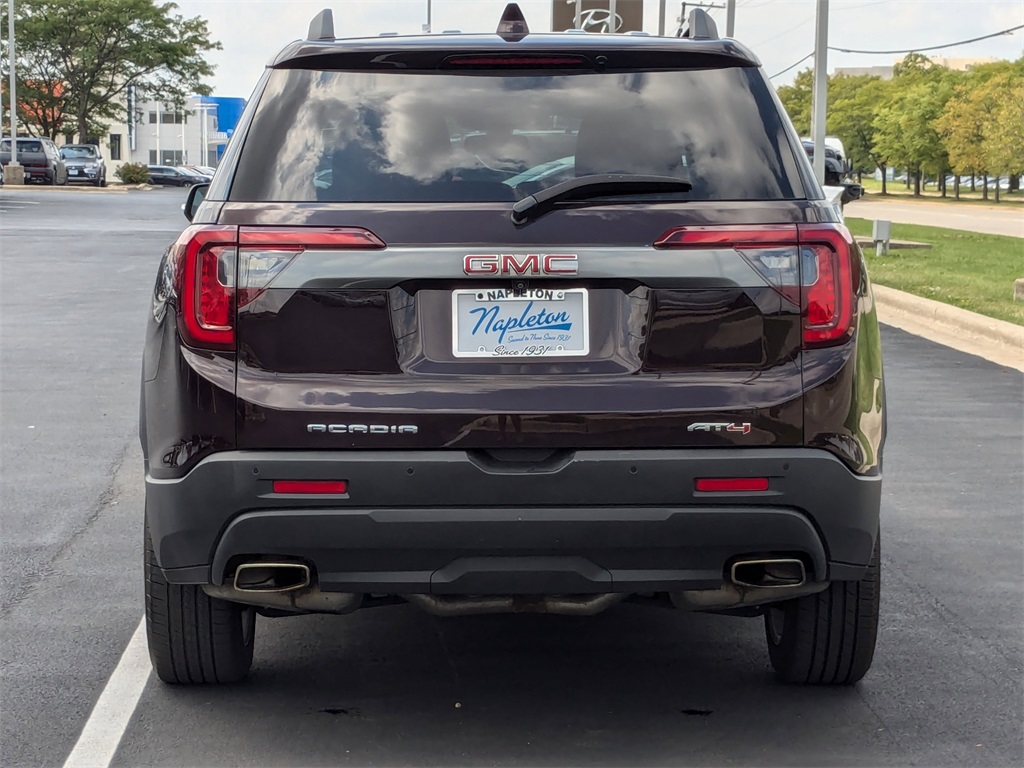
<point>199,176</point>
<point>167,175</point>
<point>835,172</point>
<point>84,163</point>
<point>40,159</point>
<point>653,375</point>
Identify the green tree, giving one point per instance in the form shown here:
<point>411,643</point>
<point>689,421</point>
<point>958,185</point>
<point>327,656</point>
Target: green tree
<point>853,104</point>
<point>797,99</point>
<point>906,132</point>
<point>982,125</point>
<point>97,48</point>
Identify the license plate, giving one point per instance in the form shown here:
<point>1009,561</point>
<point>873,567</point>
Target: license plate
<point>541,322</point>
<point>73,172</point>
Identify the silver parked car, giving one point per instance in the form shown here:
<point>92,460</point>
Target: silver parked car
<point>85,164</point>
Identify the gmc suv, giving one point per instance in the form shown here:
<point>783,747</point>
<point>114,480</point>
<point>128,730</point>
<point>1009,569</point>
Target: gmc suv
<point>513,323</point>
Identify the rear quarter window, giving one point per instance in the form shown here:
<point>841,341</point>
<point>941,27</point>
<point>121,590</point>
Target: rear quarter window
<point>350,136</point>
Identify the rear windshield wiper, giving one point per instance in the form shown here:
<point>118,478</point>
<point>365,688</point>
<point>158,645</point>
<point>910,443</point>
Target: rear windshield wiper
<point>596,185</point>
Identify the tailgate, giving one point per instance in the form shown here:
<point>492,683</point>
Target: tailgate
<point>531,343</point>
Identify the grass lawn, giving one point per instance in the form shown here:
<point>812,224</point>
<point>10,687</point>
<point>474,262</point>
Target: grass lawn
<point>965,269</point>
<point>897,190</point>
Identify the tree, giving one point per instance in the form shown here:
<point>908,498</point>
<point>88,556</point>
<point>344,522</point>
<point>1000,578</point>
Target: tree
<point>853,104</point>
<point>982,125</point>
<point>906,132</point>
<point>797,99</point>
<point>97,48</point>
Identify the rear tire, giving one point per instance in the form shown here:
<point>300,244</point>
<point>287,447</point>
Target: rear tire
<point>827,638</point>
<point>194,638</point>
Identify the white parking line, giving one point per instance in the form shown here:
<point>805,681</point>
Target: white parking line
<point>109,719</point>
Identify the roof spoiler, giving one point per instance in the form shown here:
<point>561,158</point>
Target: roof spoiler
<point>321,28</point>
<point>700,26</point>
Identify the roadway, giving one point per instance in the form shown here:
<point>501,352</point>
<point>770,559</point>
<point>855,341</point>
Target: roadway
<point>391,686</point>
<point>1007,219</point>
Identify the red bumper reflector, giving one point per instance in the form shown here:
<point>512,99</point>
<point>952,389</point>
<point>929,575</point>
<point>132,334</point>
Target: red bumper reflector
<point>335,487</point>
<point>720,484</point>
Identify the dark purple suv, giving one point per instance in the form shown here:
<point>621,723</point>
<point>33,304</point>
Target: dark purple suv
<point>513,323</point>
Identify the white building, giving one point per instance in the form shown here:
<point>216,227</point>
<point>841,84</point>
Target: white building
<point>165,136</point>
<point>886,72</point>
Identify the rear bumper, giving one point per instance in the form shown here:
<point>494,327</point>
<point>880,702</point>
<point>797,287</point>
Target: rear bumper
<point>452,523</point>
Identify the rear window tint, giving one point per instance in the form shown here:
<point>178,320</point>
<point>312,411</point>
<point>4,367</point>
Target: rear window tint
<point>394,137</point>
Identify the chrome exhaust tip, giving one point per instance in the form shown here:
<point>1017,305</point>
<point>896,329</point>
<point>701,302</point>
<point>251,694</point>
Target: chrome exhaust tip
<point>271,577</point>
<point>773,572</point>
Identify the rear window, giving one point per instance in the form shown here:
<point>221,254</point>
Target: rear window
<point>26,145</point>
<point>394,137</point>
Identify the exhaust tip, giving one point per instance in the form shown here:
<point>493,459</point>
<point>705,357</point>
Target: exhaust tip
<point>774,572</point>
<point>271,577</point>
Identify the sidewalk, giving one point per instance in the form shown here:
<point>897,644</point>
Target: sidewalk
<point>995,340</point>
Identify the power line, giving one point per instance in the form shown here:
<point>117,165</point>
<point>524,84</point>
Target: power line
<point>908,50</point>
<point>932,47</point>
<point>797,64</point>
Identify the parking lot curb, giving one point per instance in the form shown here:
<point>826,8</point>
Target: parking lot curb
<point>995,340</point>
<point>76,188</point>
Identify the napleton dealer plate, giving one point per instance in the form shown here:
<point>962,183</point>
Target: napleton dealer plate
<point>536,323</point>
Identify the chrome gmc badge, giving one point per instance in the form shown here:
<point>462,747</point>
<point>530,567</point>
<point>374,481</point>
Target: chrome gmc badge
<point>522,264</point>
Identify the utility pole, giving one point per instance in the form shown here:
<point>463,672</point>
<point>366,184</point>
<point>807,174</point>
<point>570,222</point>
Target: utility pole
<point>730,18</point>
<point>428,28</point>
<point>661,17</point>
<point>14,174</point>
<point>818,107</point>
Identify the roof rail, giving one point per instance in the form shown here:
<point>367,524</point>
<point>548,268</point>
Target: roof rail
<point>321,28</point>
<point>700,26</point>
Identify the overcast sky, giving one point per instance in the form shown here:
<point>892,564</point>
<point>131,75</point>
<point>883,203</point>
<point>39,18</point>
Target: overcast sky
<point>779,31</point>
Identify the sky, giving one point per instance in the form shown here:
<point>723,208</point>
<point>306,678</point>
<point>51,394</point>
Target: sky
<point>780,32</point>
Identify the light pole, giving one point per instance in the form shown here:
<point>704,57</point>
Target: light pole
<point>820,90</point>
<point>14,174</point>
<point>159,156</point>
<point>203,108</point>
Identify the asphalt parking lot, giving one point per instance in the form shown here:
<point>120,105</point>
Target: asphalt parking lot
<point>391,686</point>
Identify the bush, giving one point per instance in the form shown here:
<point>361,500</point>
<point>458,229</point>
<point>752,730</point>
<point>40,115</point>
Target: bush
<point>133,173</point>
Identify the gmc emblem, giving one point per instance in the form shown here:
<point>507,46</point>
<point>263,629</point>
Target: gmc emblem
<point>520,264</point>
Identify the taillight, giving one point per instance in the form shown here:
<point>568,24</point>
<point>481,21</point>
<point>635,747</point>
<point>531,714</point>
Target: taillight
<point>206,286</point>
<point>810,265</point>
<point>221,269</point>
<point>829,295</point>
